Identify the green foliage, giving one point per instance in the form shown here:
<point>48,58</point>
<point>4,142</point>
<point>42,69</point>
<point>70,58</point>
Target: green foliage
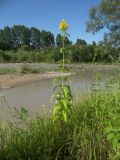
<point>106,14</point>
<point>6,38</point>
<point>62,93</point>
<point>64,103</point>
<point>113,129</point>
<point>59,41</point>
<point>4,71</point>
<point>35,39</point>
<point>80,42</point>
<point>25,48</point>
<point>21,35</point>
<point>47,39</point>
<point>18,36</point>
<point>22,44</point>
<point>83,53</point>
<point>1,56</point>
<point>27,69</point>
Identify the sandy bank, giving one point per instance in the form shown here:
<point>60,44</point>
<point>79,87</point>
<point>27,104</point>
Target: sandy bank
<point>10,81</point>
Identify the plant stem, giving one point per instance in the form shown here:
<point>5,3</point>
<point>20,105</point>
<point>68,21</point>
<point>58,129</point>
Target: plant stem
<point>63,65</point>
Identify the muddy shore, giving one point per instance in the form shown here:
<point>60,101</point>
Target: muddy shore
<point>14,80</point>
<point>18,79</point>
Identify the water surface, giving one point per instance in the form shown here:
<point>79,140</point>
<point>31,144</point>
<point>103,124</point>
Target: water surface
<point>35,95</point>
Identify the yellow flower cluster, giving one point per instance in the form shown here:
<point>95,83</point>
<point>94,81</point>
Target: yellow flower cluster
<point>63,25</point>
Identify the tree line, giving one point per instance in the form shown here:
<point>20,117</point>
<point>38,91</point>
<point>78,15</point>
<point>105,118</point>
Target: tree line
<point>18,35</point>
<point>20,43</point>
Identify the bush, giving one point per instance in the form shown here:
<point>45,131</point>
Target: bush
<point>27,69</point>
<point>85,53</point>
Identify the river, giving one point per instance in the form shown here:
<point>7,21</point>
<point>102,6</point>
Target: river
<point>36,96</point>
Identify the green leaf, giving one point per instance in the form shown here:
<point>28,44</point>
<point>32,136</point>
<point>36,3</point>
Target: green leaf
<point>61,50</point>
<point>64,116</point>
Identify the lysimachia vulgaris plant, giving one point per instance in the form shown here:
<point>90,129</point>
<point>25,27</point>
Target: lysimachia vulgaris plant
<point>62,93</point>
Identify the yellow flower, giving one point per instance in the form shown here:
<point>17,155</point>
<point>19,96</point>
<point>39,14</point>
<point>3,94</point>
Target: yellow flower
<point>63,25</point>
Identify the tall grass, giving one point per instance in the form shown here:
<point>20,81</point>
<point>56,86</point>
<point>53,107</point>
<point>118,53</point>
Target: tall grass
<point>6,70</point>
<point>27,69</point>
<point>92,133</point>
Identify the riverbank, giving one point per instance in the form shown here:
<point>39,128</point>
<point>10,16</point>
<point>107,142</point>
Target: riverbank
<point>10,81</point>
<point>17,74</point>
<point>48,65</point>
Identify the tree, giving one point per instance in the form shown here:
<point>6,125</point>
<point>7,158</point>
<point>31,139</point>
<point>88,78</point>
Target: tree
<point>35,38</point>
<point>106,15</point>
<point>94,43</point>
<point>21,35</point>
<point>6,39</point>
<point>59,41</point>
<point>47,39</point>
<point>80,42</point>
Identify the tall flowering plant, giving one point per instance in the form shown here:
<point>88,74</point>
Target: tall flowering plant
<point>62,93</point>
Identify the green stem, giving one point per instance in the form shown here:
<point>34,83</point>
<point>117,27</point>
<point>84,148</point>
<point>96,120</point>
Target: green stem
<point>63,65</point>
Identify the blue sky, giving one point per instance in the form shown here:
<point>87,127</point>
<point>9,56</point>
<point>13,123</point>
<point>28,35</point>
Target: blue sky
<point>47,14</point>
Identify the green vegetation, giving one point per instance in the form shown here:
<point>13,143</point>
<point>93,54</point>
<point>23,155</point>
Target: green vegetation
<point>92,132</point>
<point>4,71</point>
<point>88,129</point>
<point>106,15</point>
<point>62,91</point>
<point>22,44</point>
<point>26,69</point>
<point>82,53</point>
